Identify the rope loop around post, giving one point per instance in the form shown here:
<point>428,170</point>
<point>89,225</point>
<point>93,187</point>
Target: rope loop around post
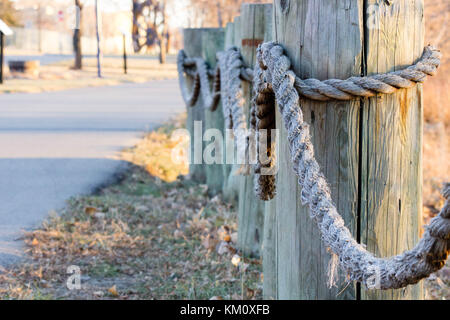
<point>274,81</point>
<point>198,69</point>
<point>273,70</point>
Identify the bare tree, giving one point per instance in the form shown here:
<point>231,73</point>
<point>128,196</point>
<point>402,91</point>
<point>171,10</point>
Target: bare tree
<point>150,26</point>
<point>8,13</point>
<point>219,12</point>
<point>213,13</point>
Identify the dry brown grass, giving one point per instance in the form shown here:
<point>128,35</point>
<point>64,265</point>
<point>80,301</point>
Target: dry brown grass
<point>142,238</point>
<point>155,152</point>
<point>436,149</point>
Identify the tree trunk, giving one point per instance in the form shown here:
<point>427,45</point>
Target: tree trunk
<point>168,43</point>
<point>219,13</point>
<point>162,50</point>
<point>77,37</point>
<point>163,36</point>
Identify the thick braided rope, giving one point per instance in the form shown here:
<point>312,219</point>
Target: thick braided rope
<point>189,98</point>
<point>351,88</point>
<point>227,86</point>
<point>387,83</point>
<point>230,64</point>
<point>331,89</point>
<point>201,81</point>
<point>430,253</point>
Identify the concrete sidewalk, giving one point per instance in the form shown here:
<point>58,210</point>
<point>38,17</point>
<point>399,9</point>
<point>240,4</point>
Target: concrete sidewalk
<point>57,145</point>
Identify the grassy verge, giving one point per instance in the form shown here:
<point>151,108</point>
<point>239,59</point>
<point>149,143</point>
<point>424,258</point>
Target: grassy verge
<point>141,238</point>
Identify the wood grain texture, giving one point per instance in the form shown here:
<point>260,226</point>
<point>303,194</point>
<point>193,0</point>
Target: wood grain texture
<point>229,170</point>
<point>213,40</point>
<point>231,192</point>
<point>192,41</point>
<point>269,244</point>
<point>250,209</point>
<point>269,251</point>
<point>324,40</point>
<point>391,207</point>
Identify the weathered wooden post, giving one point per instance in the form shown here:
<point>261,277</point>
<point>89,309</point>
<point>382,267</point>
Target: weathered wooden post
<point>369,150</point>
<point>212,42</point>
<point>269,255</point>
<point>231,191</point>
<point>227,167</point>
<point>192,39</point>
<point>251,209</point>
<point>391,139</point>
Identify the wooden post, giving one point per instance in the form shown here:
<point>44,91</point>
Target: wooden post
<point>213,42</point>
<point>391,151</point>
<point>251,209</point>
<point>228,194</point>
<point>269,255</point>
<point>193,47</point>
<point>369,150</point>
<point>124,54</point>
<point>2,57</point>
<point>323,40</point>
<point>231,192</point>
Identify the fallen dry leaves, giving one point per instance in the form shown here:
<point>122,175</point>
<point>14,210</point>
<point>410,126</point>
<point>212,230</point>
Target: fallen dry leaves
<point>142,238</point>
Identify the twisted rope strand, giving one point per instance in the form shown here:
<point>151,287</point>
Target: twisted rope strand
<point>263,121</point>
<point>398,271</point>
<point>189,98</point>
<point>331,89</point>
<point>227,86</point>
<point>201,81</point>
<point>369,86</point>
<point>230,63</point>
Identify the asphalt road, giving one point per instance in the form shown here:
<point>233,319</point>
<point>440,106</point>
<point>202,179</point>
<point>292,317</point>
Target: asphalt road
<point>57,145</point>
